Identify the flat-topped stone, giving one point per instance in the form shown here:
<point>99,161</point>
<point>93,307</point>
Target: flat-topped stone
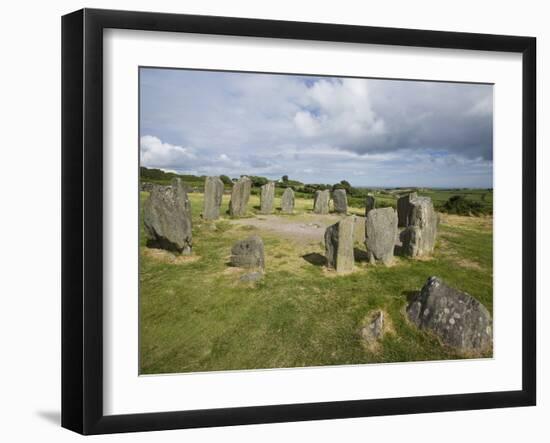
<point>267,197</point>
<point>240,194</point>
<point>287,201</point>
<point>380,234</point>
<point>213,194</point>
<point>248,253</point>
<point>321,202</point>
<point>420,236</point>
<point>340,201</point>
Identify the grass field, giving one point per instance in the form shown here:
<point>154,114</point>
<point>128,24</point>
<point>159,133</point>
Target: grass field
<point>196,315</point>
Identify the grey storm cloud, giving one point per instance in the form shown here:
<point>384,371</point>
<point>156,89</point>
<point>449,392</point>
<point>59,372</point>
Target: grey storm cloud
<point>316,128</point>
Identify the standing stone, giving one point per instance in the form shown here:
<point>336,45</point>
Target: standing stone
<point>374,329</point>
<point>167,217</point>
<point>320,202</point>
<point>456,317</point>
<point>370,203</point>
<point>213,193</point>
<point>419,237</point>
<point>267,196</point>
<point>339,245</point>
<point>380,234</point>
<point>239,197</point>
<point>287,201</point>
<point>340,201</point>
<point>248,253</point>
<point>404,208</point>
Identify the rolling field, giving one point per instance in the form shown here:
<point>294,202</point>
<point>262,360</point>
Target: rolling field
<point>196,315</point>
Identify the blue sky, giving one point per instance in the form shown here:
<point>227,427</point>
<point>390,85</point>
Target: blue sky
<point>371,132</point>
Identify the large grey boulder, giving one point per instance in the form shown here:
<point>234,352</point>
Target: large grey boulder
<point>370,203</point>
<point>248,253</point>
<point>419,237</point>
<point>287,201</point>
<point>213,194</point>
<point>339,245</point>
<point>240,194</point>
<point>380,234</point>
<point>340,201</point>
<point>167,218</point>
<point>456,317</point>
<point>267,196</point>
<point>321,202</point>
<point>404,208</point>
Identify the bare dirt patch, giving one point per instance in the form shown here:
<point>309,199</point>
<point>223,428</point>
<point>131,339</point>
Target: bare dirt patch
<point>169,257</point>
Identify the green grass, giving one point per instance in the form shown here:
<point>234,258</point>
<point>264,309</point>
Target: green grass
<point>197,315</point>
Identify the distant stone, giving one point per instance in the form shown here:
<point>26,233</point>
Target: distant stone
<point>404,208</point>
<point>370,203</point>
<point>287,201</point>
<point>251,277</point>
<point>147,186</point>
<point>381,234</point>
<point>267,197</point>
<point>321,202</point>
<point>419,237</point>
<point>456,317</point>
<point>248,253</point>
<point>213,194</point>
<point>167,218</point>
<point>339,245</point>
<point>374,329</point>
<point>240,194</point>
<point>340,201</point>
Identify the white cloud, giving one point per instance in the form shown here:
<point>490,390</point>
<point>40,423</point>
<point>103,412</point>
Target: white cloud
<point>158,154</point>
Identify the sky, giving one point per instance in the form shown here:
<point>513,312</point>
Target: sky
<point>370,132</point>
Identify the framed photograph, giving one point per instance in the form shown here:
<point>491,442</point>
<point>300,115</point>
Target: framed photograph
<point>268,221</point>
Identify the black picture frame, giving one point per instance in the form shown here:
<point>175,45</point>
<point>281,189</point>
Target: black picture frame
<point>82,218</point>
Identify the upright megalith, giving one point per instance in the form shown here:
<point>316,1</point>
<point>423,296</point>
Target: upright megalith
<point>321,202</point>
<point>287,201</point>
<point>380,234</point>
<point>456,317</point>
<point>340,201</point>
<point>167,218</point>
<point>370,203</point>
<point>267,196</point>
<point>240,194</point>
<point>404,208</point>
<point>213,194</point>
<point>248,253</point>
<point>419,237</point>
<point>339,245</point>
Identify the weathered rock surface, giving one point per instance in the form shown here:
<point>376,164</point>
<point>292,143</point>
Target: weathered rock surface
<point>370,203</point>
<point>321,202</point>
<point>267,196</point>
<point>419,237</point>
<point>374,328</point>
<point>380,234</point>
<point>167,218</point>
<point>287,201</point>
<point>213,194</point>
<point>248,253</point>
<point>339,245</point>
<point>340,201</point>
<point>404,208</point>
<point>456,317</point>
<point>240,194</point>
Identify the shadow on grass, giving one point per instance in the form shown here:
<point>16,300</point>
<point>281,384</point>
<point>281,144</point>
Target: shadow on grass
<point>315,259</point>
<point>410,295</point>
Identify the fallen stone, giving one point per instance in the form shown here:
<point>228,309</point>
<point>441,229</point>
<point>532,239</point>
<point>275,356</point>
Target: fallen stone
<point>456,317</point>
<point>340,201</point>
<point>404,208</point>
<point>370,203</point>
<point>321,202</point>
<point>167,218</point>
<point>213,194</point>
<point>240,194</point>
<point>419,237</point>
<point>287,201</point>
<point>267,197</point>
<point>380,234</point>
<point>248,253</point>
<point>339,245</point>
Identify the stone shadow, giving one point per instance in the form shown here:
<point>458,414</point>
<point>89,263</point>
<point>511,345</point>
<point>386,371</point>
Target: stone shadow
<point>360,255</point>
<point>410,295</point>
<point>315,259</point>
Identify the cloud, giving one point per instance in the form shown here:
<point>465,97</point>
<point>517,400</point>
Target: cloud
<point>318,128</point>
